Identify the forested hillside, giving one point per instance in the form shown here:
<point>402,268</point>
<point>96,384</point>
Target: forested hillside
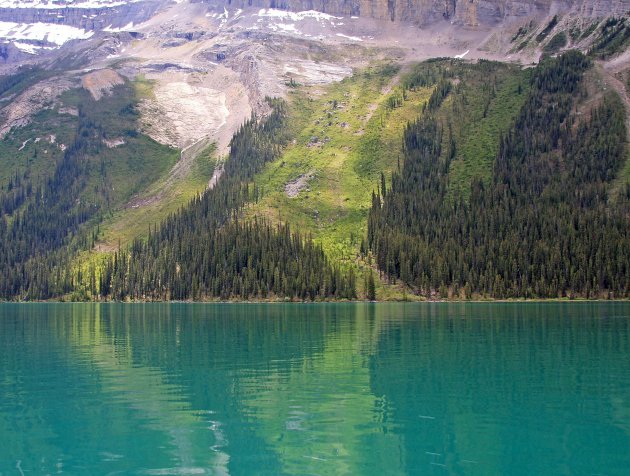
<point>543,225</point>
<point>204,251</point>
<point>447,179</point>
<point>64,179</point>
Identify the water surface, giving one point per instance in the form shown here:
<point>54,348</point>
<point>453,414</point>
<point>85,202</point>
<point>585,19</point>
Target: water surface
<point>471,389</point>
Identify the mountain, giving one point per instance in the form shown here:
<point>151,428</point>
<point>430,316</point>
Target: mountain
<point>161,150</point>
<point>423,12</point>
<point>35,27</point>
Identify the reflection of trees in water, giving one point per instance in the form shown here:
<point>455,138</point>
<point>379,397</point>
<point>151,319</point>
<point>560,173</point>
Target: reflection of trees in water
<point>497,384</point>
<point>330,388</point>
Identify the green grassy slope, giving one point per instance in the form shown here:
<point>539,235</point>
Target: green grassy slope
<point>348,135</point>
<point>97,147</point>
<point>118,171</point>
<point>29,150</point>
<point>154,203</point>
<point>148,199</point>
<point>344,138</point>
<point>115,173</point>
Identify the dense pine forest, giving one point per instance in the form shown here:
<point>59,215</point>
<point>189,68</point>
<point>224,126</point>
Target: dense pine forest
<point>40,222</point>
<point>546,223</point>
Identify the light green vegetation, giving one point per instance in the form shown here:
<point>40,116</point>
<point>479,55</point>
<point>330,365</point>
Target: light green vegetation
<point>29,151</point>
<point>143,187</point>
<point>122,161</point>
<point>164,192</point>
<point>344,138</point>
<point>558,41</point>
<point>480,109</point>
<point>152,206</point>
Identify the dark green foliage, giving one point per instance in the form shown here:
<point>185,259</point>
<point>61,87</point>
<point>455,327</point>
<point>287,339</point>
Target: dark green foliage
<point>439,95</point>
<point>483,105</point>
<point>203,251</point>
<point>550,26</point>
<point>614,38</point>
<point>589,31</point>
<point>558,41</point>
<point>522,46</point>
<point>24,77</point>
<point>575,33</point>
<point>396,99</point>
<point>522,32</point>
<point>542,228</point>
<point>50,218</point>
<point>370,287</point>
<point>423,75</point>
<point>238,260</point>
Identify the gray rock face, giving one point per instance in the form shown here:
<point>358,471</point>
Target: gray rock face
<point>466,12</point>
<point>85,18</point>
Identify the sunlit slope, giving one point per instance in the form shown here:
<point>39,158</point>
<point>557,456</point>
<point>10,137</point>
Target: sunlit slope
<point>344,137</point>
<point>347,135</point>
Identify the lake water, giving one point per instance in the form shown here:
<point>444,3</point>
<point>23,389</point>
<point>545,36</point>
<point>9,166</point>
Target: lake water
<point>470,389</point>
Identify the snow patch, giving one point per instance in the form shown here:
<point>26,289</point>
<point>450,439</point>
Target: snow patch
<point>24,144</point>
<point>127,27</point>
<point>352,38</point>
<point>290,28</point>
<point>26,48</point>
<point>57,34</point>
<point>295,16</point>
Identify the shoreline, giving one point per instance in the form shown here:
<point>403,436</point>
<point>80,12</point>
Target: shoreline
<point>358,301</point>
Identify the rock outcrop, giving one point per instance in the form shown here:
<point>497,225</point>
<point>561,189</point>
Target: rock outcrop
<point>85,18</point>
<point>465,12</point>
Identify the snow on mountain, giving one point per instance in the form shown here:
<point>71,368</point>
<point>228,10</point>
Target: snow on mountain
<point>57,4</point>
<point>35,26</point>
<point>42,32</point>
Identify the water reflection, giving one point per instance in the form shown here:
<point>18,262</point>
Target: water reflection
<point>316,389</point>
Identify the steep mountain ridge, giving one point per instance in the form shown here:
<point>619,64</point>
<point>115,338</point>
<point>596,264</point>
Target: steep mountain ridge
<point>33,28</point>
<point>86,15</point>
<point>423,12</point>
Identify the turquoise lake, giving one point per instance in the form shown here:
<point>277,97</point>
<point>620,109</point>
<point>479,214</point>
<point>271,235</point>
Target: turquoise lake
<point>470,389</point>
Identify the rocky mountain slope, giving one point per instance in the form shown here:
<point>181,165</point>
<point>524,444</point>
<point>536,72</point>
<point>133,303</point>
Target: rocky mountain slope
<point>210,65</point>
<point>423,12</point>
<point>35,27</point>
